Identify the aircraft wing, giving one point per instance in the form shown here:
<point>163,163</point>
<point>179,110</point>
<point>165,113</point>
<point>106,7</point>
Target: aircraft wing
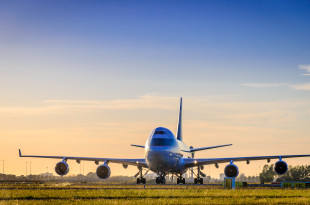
<point>133,162</point>
<point>192,162</point>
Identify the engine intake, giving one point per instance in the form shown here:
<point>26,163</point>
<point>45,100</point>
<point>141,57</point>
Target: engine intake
<point>62,168</point>
<point>231,170</point>
<point>103,171</point>
<point>280,167</point>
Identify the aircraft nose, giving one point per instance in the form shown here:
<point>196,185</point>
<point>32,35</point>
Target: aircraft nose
<point>160,160</point>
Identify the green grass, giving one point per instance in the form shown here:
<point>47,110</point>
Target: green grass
<point>167,195</point>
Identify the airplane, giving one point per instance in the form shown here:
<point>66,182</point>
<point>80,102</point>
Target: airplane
<point>166,154</point>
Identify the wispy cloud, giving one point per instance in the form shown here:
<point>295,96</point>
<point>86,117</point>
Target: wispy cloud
<point>264,85</point>
<point>56,106</point>
<point>305,68</point>
<point>143,102</point>
<point>305,86</point>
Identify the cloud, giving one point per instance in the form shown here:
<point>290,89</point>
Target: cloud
<point>143,102</point>
<point>305,86</point>
<point>56,106</point>
<point>264,85</point>
<point>306,68</point>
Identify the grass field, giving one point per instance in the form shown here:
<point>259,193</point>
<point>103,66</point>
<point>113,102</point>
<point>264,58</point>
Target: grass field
<point>152,194</point>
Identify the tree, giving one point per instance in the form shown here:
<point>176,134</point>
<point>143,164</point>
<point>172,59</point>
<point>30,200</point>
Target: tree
<point>267,174</point>
<point>298,173</point>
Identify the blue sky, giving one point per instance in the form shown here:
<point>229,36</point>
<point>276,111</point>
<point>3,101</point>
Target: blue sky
<point>249,52</point>
<point>184,42</point>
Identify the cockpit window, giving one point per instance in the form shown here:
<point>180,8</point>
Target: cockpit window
<point>159,132</point>
<point>163,142</point>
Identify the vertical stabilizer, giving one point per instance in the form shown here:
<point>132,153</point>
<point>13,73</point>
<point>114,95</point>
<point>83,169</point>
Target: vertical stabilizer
<point>179,131</point>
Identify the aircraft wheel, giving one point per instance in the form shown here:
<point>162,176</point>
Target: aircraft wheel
<point>183,181</point>
<point>157,180</point>
<point>143,180</point>
<point>163,180</point>
<point>178,181</point>
<point>201,180</point>
<point>138,181</point>
<point>195,181</point>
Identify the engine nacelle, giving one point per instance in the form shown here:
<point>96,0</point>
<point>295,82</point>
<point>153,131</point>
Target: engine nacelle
<point>103,171</point>
<point>125,166</point>
<point>231,170</point>
<point>62,168</point>
<point>280,167</point>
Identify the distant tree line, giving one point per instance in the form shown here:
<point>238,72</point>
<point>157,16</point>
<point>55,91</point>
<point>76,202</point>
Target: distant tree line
<point>250,179</point>
<point>90,177</point>
<point>297,173</point>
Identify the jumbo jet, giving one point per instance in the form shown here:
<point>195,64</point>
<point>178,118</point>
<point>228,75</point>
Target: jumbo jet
<point>166,154</point>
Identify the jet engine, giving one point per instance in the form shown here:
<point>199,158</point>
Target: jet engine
<point>62,168</point>
<point>280,167</point>
<point>231,170</point>
<point>103,171</point>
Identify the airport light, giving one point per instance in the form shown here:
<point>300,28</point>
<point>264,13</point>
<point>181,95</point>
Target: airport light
<point>27,168</point>
<point>30,167</point>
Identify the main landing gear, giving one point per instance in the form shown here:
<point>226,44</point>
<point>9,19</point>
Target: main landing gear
<point>199,180</point>
<point>180,180</point>
<point>161,179</point>
<point>141,179</point>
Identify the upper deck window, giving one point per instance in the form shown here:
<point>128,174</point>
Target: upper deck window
<point>163,142</point>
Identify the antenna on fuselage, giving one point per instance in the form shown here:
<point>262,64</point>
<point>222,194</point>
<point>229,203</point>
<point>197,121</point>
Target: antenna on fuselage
<point>179,130</point>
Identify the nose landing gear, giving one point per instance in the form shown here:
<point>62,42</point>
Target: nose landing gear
<point>161,179</point>
<point>141,180</point>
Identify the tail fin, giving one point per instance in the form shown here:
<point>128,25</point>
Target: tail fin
<point>179,131</point>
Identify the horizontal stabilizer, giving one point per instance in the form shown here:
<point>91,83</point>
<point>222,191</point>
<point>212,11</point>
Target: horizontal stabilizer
<point>203,148</point>
<point>141,146</point>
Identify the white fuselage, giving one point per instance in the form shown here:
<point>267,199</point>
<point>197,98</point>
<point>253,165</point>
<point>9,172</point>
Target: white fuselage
<point>164,153</point>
